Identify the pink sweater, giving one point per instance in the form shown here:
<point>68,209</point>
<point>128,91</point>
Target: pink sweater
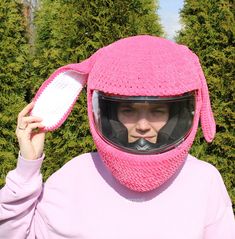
<point>83,200</point>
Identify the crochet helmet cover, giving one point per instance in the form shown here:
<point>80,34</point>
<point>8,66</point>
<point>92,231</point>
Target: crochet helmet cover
<point>147,66</point>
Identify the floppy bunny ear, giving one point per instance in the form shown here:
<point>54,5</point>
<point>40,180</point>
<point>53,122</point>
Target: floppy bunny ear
<point>206,114</point>
<point>58,94</point>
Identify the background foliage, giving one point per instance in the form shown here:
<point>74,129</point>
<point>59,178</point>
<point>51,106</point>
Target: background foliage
<point>69,31</point>
<point>209,29</point>
<point>14,79</point>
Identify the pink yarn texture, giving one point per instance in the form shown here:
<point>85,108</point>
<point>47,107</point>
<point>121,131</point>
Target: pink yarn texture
<point>147,66</point>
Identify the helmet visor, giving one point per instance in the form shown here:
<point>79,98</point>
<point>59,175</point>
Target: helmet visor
<point>143,124</point>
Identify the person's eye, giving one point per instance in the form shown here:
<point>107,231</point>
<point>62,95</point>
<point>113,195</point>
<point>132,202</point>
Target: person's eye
<point>158,111</point>
<point>127,111</point>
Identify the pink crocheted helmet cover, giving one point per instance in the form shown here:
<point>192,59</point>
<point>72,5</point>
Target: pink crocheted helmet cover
<point>142,66</point>
<point>148,66</point>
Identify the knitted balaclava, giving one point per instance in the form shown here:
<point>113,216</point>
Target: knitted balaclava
<point>134,66</point>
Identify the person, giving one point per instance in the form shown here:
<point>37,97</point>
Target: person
<point>145,97</point>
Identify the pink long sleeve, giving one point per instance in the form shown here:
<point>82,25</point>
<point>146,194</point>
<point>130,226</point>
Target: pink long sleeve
<point>220,222</point>
<point>18,198</point>
<point>224,227</point>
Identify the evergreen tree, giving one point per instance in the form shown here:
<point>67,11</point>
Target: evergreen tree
<point>14,74</point>
<point>70,31</point>
<point>209,31</point>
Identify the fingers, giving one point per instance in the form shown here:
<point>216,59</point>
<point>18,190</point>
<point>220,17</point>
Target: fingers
<point>25,123</point>
<point>33,126</point>
<point>27,134</point>
<point>21,124</point>
<point>26,110</point>
<point>30,140</point>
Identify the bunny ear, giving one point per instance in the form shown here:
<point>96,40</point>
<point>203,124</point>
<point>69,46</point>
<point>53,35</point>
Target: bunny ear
<point>58,94</point>
<point>206,114</point>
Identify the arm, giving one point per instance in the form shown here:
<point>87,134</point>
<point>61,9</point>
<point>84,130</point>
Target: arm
<point>18,198</point>
<point>220,223</point>
<point>223,228</point>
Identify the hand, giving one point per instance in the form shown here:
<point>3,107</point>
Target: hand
<point>30,135</point>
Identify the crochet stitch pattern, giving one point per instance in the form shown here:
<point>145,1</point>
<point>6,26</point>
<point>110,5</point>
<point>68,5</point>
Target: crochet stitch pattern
<point>148,66</point>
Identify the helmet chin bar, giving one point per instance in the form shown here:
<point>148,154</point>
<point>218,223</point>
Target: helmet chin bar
<point>142,145</point>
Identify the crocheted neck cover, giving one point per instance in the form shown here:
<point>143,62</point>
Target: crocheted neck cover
<point>145,66</point>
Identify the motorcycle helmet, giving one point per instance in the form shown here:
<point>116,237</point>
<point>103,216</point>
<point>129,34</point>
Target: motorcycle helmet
<point>144,72</point>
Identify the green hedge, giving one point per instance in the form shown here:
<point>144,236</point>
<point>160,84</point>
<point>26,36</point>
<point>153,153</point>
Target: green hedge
<point>209,32</point>
<point>14,74</point>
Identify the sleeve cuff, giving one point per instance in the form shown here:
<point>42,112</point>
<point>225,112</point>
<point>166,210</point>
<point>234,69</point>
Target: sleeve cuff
<point>27,169</point>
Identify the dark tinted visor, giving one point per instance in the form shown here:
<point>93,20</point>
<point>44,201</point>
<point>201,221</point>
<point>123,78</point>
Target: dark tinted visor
<point>142,124</point>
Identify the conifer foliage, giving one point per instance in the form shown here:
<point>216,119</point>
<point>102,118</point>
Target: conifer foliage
<point>209,32</point>
<point>14,74</point>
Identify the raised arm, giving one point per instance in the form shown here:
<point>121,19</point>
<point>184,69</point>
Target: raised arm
<point>23,187</point>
